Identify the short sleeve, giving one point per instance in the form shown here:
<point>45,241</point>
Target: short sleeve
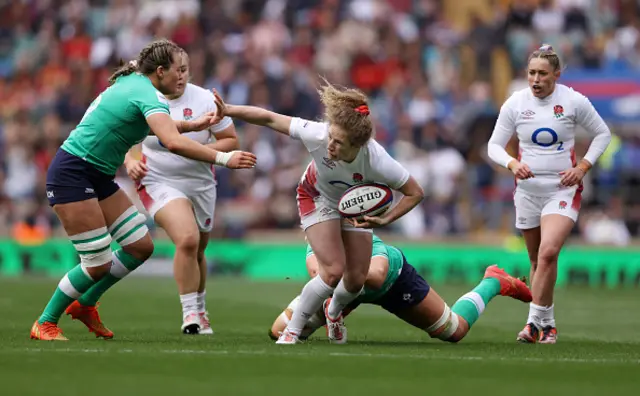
<point>313,134</point>
<point>388,170</point>
<point>150,102</point>
<point>379,248</point>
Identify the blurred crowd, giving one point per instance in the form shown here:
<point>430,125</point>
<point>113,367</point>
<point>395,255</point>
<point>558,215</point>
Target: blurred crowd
<point>436,71</point>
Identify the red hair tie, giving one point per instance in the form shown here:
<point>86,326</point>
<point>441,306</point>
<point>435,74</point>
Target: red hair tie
<point>364,109</point>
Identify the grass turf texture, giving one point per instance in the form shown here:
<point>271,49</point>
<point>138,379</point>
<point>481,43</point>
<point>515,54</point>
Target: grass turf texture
<point>598,350</point>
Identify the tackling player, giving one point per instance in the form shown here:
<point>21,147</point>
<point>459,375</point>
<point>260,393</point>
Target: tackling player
<point>396,286</point>
<point>548,177</point>
<point>180,195</point>
<point>344,154</point>
<point>90,205</point>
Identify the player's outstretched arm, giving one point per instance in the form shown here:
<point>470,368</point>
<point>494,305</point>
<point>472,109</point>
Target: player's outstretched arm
<point>253,115</point>
<point>165,129</point>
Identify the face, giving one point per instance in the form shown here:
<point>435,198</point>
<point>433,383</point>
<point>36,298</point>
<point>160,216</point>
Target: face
<point>542,77</point>
<point>174,79</point>
<point>339,147</point>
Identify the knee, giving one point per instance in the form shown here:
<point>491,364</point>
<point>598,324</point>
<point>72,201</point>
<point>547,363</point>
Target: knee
<point>188,242</point>
<point>141,249</point>
<point>354,281</point>
<point>332,273</point>
<point>548,254</point>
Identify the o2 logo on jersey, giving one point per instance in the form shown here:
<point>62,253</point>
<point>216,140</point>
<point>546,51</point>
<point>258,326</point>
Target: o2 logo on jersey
<point>539,138</point>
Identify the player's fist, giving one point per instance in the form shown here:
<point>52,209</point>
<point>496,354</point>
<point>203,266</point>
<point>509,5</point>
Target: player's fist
<point>136,170</point>
<point>520,170</point>
<point>237,160</point>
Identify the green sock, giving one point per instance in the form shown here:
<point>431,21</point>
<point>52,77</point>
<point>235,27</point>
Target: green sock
<point>471,305</point>
<point>123,264</point>
<point>71,286</point>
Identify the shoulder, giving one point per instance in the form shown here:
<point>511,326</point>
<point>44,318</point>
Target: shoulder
<point>516,99</point>
<point>196,92</point>
<point>570,93</point>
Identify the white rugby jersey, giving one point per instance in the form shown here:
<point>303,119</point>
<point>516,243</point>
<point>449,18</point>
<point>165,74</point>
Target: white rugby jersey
<point>175,170</point>
<point>546,133</point>
<point>329,178</point>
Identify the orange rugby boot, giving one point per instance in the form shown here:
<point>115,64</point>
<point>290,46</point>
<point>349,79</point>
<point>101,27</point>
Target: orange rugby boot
<point>90,317</point>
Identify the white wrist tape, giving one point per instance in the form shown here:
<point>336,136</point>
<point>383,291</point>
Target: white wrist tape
<point>223,158</point>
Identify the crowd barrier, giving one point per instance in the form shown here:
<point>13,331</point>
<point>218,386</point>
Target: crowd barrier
<point>595,267</point>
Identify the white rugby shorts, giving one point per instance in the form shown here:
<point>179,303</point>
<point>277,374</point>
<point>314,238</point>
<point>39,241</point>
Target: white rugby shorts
<point>530,209</point>
<point>155,196</point>
<point>314,208</point>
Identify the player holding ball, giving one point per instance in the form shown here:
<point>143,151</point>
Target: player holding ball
<point>344,154</point>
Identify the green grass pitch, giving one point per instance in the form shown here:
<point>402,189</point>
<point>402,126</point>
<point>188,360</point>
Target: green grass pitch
<point>598,351</point>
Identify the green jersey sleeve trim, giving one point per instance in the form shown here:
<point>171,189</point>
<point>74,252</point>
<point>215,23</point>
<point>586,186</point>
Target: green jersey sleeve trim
<point>155,111</point>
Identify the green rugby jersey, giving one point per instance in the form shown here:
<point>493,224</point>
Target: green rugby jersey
<point>116,121</point>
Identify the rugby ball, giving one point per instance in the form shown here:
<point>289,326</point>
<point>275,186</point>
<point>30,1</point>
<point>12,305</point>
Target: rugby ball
<point>367,199</point>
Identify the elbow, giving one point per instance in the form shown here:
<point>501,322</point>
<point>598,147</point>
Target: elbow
<point>419,195</point>
<point>173,145</point>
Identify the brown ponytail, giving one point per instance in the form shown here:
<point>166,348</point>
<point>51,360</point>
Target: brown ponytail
<point>156,54</point>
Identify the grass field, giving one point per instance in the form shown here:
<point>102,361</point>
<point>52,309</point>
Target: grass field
<point>598,350</point>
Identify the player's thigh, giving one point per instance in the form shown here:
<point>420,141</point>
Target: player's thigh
<point>528,210</point>
<point>126,225</point>
<point>325,239</point>
<point>80,217</point>
<point>177,218</point>
<point>532,237</point>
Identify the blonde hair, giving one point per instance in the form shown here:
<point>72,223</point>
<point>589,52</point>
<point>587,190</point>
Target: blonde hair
<point>546,52</point>
<point>347,108</point>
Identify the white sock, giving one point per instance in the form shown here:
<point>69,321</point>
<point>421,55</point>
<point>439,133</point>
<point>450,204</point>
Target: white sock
<point>341,298</point>
<point>311,298</point>
<point>541,316</point>
<point>189,304</point>
<point>202,301</point>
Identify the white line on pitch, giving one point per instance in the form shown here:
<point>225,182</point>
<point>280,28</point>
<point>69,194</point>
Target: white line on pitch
<point>341,354</point>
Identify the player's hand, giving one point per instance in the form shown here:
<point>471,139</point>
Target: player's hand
<point>571,177</point>
<point>222,107</point>
<point>369,222</point>
<point>521,171</point>
<point>136,169</point>
<point>241,160</point>
<point>205,121</point>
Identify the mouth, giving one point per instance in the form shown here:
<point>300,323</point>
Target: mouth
<point>536,88</point>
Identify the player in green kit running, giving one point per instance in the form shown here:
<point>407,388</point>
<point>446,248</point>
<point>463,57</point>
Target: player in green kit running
<point>90,205</point>
<point>396,286</point>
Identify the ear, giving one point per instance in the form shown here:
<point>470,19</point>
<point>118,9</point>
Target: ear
<point>557,74</point>
<point>160,72</point>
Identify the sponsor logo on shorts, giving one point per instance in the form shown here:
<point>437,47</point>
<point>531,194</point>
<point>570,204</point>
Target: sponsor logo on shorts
<point>89,191</point>
<point>207,222</point>
<point>187,113</point>
<point>522,220</point>
<point>407,297</point>
<point>562,205</point>
<point>49,194</point>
